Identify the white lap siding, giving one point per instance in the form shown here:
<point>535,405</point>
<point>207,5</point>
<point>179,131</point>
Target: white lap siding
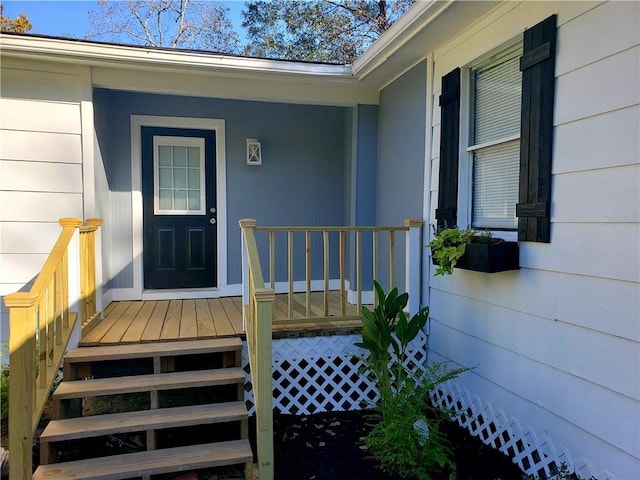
<point>40,166</point>
<point>557,342</point>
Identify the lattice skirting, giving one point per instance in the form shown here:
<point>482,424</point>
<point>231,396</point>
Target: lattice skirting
<point>535,454</point>
<point>322,374</point>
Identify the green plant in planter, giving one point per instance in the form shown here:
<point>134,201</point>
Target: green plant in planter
<point>447,247</point>
<point>406,438</point>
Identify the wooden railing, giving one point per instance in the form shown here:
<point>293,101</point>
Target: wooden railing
<point>258,301</point>
<point>259,318</point>
<point>40,326</point>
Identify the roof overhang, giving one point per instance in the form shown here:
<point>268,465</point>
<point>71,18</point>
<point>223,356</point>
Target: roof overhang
<point>419,31</point>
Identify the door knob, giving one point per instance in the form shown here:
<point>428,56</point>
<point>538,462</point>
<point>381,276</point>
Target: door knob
<point>212,221</point>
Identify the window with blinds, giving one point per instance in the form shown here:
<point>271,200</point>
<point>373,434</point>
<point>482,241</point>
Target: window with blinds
<point>496,90</point>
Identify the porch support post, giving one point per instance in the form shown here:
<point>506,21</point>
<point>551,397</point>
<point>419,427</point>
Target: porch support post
<point>414,260</point>
<point>245,223</point>
<point>22,351</point>
<point>263,395</point>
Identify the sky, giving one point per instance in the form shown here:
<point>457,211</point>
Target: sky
<point>71,18</point>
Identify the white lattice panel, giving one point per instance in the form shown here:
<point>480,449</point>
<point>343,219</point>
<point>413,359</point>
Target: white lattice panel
<point>321,374</point>
<point>535,455</point>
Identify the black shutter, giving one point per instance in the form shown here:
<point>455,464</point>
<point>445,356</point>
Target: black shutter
<point>538,86</point>
<point>446,213</point>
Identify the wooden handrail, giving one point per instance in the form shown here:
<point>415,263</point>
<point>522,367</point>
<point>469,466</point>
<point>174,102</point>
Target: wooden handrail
<point>259,318</point>
<point>41,325</point>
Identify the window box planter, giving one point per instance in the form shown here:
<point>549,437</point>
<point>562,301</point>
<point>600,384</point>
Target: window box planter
<point>496,256</point>
<point>492,257</point>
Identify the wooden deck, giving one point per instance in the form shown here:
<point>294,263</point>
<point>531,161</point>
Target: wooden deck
<point>166,320</point>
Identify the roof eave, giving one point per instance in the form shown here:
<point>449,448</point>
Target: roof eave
<point>98,54</point>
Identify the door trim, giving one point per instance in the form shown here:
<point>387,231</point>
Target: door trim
<point>216,125</point>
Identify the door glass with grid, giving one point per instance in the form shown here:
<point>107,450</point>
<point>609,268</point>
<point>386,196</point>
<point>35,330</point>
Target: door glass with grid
<point>179,176</point>
<point>496,90</point>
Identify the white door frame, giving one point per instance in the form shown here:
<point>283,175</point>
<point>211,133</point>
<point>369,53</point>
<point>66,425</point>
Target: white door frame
<point>216,125</point>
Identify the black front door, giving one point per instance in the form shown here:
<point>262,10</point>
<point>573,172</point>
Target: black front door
<point>179,208</point>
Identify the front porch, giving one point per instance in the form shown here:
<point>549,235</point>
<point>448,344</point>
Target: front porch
<point>131,322</point>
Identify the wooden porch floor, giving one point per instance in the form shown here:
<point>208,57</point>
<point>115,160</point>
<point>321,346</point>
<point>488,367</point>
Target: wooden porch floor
<point>166,320</point>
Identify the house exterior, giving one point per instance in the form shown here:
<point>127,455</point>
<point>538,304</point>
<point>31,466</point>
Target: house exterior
<point>556,343</point>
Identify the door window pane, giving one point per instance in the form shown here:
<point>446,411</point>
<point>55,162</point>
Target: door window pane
<point>179,176</point>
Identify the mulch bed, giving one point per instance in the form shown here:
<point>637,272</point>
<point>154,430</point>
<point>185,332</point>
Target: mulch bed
<point>328,446</point>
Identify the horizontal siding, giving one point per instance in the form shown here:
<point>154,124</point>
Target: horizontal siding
<point>617,142</point>
<point>39,206</point>
<point>20,237</point>
<point>557,342</point>
<point>572,192</point>
<point>564,435</point>
<point>21,83</point>
<point>606,250</point>
<point>611,309</point>
<point>615,78</point>
<point>40,146</point>
<point>528,335</point>
<point>20,268</point>
<point>31,115</point>
<point>39,177</point>
<point>587,38</point>
<point>554,391</point>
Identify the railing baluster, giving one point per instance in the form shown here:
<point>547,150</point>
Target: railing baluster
<point>374,246</point>
<point>308,272</point>
<point>59,312</point>
<point>359,268</point>
<point>343,293</point>
<point>392,237</point>
<point>272,259</point>
<point>42,340</point>
<point>50,320</point>
<point>325,238</point>
<point>290,298</point>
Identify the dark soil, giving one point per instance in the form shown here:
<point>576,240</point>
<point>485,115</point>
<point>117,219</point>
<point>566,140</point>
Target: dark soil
<point>328,446</point>
<point>323,446</point>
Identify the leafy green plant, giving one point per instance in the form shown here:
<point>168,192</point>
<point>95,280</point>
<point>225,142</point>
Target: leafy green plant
<point>406,438</point>
<point>447,247</point>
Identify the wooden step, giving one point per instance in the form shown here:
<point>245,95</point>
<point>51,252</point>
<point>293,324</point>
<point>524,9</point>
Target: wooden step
<point>146,383</point>
<point>152,462</point>
<point>152,350</point>
<point>98,425</point>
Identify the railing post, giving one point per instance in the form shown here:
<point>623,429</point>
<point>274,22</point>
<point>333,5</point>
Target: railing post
<point>97,261</point>
<point>413,260</point>
<point>263,396</point>
<point>22,355</point>
<point>245,224</point>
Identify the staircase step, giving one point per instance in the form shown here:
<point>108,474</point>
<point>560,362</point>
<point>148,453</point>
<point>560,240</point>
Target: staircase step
<point>95,426</point>
<point>152,462</point>
<point>150,350</point>
<point>146,383</point>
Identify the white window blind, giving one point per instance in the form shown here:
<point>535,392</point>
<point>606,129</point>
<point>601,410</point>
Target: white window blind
<point>495,185</point>
<point>496,103</point>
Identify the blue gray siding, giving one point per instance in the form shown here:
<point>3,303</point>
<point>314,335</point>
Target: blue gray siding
<point>301,180</point>
<point>401,153</point>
